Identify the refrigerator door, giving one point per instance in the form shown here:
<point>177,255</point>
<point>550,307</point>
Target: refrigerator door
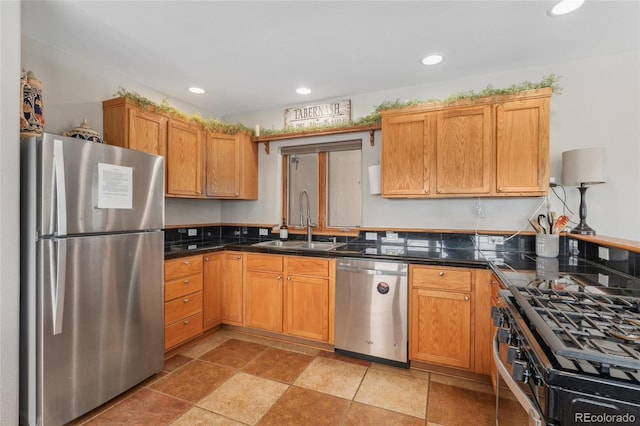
<point>101,325</point>
<point>87,187</point>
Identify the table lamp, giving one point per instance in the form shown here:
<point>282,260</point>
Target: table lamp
<point>584,167</point>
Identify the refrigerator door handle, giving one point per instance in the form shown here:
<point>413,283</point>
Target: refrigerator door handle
<point>58,286</point>
<point>61,189</point>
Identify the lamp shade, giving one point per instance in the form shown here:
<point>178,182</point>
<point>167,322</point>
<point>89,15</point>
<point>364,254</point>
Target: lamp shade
<point>585,165</point>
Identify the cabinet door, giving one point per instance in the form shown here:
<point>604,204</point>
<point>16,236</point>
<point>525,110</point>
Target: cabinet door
<point>306,302</point>
<point>184,161</point>
<point>406,155</point>
<point>483,336</point>
<point>211,308</point>
<point>147,132</point>
<point>231,291</point>
<point>263,300</point>
<point>464,151</point>
<point>222,156</point>
<point>522,147</point>
<point>441,327</point>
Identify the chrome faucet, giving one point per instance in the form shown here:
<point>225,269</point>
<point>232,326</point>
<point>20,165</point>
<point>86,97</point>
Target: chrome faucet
<point>300,210</point>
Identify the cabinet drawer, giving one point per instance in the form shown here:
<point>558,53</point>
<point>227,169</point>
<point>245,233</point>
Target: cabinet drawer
<point>182,286</point>
<point>308,266</point>
<point>176,268</point>
<point>441,278</point>
<point>264,262</point>
<point>182,307</point>
<point>180,331</point>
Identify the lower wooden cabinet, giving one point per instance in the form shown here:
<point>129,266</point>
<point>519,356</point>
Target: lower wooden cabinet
<point>441,327</point>
<point>212,288</point>
<point>231,287</point>
<point>183,300</point>
<point>447,325</point>
<point>496,286</point>
<point>290,294</point>
<point>263,292</point>
<point>307,307</point>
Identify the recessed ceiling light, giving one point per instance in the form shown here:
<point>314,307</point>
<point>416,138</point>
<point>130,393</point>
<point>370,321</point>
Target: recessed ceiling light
<point>303,91</point>
<point>196,90</point>
<point>432,59</point>
<point>564,7</point>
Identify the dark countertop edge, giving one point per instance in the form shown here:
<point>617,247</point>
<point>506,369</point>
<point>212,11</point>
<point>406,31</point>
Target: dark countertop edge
<point>248,248</point>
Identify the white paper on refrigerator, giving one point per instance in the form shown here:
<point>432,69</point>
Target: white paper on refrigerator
<point>115,186</point>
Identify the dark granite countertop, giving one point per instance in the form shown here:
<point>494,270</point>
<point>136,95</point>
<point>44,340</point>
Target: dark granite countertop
<point>511,266</point>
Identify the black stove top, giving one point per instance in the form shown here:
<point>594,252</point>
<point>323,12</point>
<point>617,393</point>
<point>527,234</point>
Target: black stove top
<point>584,323</point>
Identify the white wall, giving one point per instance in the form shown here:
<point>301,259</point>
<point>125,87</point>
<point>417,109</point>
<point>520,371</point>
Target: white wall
<point>9,209</point>
<point>599,106</point>
<point>73,90</point>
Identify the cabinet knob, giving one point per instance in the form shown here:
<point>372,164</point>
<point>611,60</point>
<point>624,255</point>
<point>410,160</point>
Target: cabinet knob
<point>279,277</point>
<point>186,322</point>
<point>466,298</point>
<point>238,257</point>
<point>185,300</point>
<point>206,259</point>
<point>288,278</point>
<point>499,189</point>
<point>237,194</point>
<point>186,262</point>
<point>186,281</point>
<point>441,273</point>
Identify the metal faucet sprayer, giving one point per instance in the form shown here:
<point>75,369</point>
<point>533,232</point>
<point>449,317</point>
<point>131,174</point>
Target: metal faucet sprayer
<point>300,210</point>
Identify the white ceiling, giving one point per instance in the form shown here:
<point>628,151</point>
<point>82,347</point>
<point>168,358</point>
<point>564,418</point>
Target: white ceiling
<point>251,55</point>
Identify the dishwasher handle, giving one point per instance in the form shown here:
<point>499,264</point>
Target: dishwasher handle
<point>368,271</point>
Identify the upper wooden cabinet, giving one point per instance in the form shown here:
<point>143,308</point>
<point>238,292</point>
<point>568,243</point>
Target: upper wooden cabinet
<point>522,147</point>
<point>126,125</point>
<point>463,151</point>
<point>184,160</point>
<point>491,147</point>
<point>231,166</point>
<point>407,155</point>
<point>199,163</point>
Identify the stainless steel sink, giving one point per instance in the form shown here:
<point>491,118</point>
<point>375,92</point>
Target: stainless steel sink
<point>299,245</point>
<point>320,245</point>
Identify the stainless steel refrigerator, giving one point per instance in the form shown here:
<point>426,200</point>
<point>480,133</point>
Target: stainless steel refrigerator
<point>92,312</point>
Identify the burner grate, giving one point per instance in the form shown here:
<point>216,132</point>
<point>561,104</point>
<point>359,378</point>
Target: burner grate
<point>598,328</point>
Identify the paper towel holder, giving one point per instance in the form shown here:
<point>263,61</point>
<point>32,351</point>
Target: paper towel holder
<point>375,185</point>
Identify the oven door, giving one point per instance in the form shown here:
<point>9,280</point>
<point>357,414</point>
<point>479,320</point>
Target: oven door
<point>528,395</point>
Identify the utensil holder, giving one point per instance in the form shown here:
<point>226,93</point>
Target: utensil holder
<point>547,245</point>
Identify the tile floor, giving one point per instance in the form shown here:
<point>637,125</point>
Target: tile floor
<point>229,378</point>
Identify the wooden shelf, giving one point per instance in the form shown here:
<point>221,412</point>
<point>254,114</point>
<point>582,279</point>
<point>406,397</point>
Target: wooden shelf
<point>310,133</point>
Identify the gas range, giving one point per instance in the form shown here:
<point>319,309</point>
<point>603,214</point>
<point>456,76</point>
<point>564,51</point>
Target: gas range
<point>573,346</point>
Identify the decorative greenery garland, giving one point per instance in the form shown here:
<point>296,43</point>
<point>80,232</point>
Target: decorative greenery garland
<point>212,124</point>
<point>216,125</point>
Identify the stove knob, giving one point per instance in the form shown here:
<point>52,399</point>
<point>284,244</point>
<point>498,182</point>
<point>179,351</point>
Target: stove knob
<point>504,335</point>
<point>498,317</point>
<point>521,371</point>
<point>513,354</point>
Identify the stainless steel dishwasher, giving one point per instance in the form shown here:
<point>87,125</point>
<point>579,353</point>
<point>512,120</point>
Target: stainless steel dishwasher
<point>371,310</point>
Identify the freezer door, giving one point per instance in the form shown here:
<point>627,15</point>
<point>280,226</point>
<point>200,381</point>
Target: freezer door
<point>100,320</point>
<point>86,187</point>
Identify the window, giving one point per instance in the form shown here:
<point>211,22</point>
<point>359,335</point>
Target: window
<point>324,179</point>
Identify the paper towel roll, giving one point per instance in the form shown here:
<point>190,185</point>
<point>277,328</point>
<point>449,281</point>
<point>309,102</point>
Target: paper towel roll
<point>374,180</point>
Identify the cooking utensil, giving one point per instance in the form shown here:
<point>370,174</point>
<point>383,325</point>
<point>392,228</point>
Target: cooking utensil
<point>561,224</point>
<point>541,219</point>
<point>536,227</point>
<point>552,222</point>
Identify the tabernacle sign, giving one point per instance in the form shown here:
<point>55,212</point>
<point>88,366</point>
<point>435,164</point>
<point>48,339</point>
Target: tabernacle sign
<point>115,186</point>
<point>318,115</point>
